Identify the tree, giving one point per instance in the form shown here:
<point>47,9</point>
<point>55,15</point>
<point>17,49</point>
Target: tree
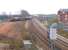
<point>24,13</point>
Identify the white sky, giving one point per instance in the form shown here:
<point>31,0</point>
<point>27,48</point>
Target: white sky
<point>33,6</point>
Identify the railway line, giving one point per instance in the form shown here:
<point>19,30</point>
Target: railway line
<point>61,43</point>
<point>40,36</point>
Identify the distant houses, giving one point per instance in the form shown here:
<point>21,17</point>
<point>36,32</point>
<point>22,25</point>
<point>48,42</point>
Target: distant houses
<point>63,18</point>
<point>5,17</point>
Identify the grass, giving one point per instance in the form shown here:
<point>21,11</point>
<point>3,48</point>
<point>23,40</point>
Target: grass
<point>60,32</point>
<point>13,43</point>
<point>17,27</point>
<point>63,33</point>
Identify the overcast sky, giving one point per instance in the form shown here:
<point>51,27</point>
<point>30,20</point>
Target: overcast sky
<point>33,6</point>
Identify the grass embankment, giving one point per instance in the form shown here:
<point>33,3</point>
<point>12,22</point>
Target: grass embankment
<point>13,44</point>
<point>17,27</point>
<point>63,33</point>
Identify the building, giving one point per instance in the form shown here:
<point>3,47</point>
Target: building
<point>63,18</point>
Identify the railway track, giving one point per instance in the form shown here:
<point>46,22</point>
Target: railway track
<point>41,36</point>
<point>61,43</point>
